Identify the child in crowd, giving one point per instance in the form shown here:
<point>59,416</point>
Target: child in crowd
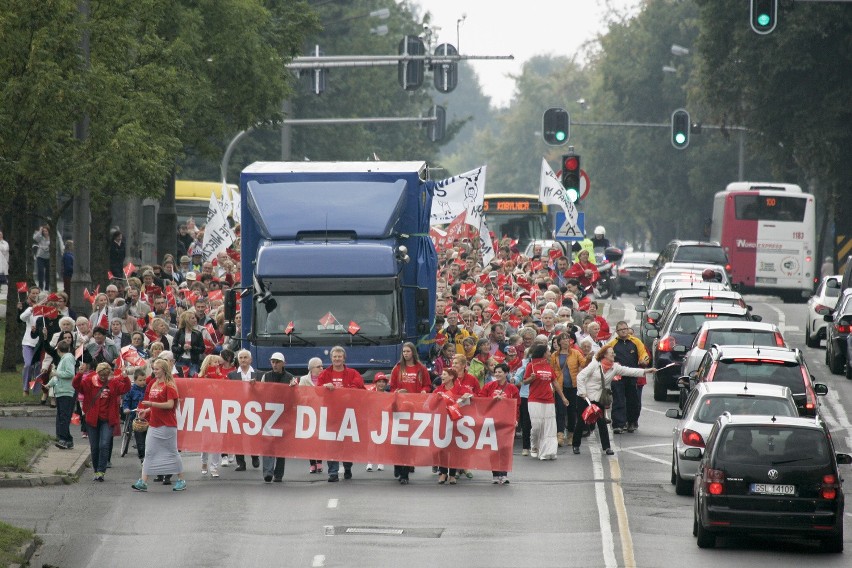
<point>381,383</point>
<point>129,404</point>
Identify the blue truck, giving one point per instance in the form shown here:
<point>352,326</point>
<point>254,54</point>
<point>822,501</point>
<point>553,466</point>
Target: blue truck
<point>336,253</point>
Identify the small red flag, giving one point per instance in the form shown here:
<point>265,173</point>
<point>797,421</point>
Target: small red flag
<point>467,290</point>
<point>483,279</point>
<point>129,269</point>
<point>525,308</point>
<point>536,265</point>
<point>152,335</point>
<point>153,290</point>
<point>104,321</point>
<point>141,322</point>
<point>170,297</point>
<point>88,296</point>
<point>132,357</point>
<point>515,321</point>
<point>440,339</point>
<point>48,312</point>
<point>499,357</point>
<point>22,287</point>
<point>328,319</point>
<point>289,329</point>
<point>554,254</point>
<point>495,318</point>
<point>208,346</point>
<point>353,328</point>
<point>215,295</point>
<point>109,275</point>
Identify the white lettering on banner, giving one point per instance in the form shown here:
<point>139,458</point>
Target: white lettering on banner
<point>323,433</point>
<point>415,439</point>
<point>349,428</point>
<point>305,431</point>
<point>488,435</point>
<point>230,414</point>
<point>400,427</point>
<point>465,441</point>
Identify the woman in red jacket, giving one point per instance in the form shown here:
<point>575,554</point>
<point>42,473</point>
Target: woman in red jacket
<point>539,375</point>
<point>501,388</point>
<point>585,271</point>
<point>410,375</point>
<point>102,395</point>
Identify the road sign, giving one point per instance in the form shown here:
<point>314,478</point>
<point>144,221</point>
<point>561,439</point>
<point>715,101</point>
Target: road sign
<point>568,233</point>
<point>585,184</point>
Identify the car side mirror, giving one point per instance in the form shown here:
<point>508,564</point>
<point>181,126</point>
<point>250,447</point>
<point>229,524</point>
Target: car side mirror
<point>654,315</point>
<point>843,459</point>
<point>643,294</point>
<point>823,310</point>
<point>652,333</point>
<point>827,317</point>
<point>639,308</point>
<point>832,283</point>
<point>820,389</point>
<point>683,382</point>
<point>673,413</point>
<point>756,318</point>
<point>693,454</point>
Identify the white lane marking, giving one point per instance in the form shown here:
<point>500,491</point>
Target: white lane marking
<point>621,513</point>
<point>782,318</point>
<point>646,409</point>
<point>836,417</point>
<point>318,561</point>
<point>646,446</point>
<point>647,457</point>
<point>332,503</point>
<point>630,315</point>
<point>607,543</point>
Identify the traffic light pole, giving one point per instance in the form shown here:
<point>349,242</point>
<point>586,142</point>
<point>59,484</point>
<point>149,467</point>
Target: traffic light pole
<point>335,61</point>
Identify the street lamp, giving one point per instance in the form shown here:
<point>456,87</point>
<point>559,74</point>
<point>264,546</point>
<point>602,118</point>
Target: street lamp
<point>679,50</point>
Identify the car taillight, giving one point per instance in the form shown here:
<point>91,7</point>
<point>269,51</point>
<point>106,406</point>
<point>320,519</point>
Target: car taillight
<point>666,344</point>
<point>692,438</point>
<point>714,481</point>
<point>728,268</point>
<point>702,339</point>
<point>650,320</point>
<point>842,328</point>
<point>811,399</point>
<point>829,487</point>
<point>623,271</point>
<point>779,340</point>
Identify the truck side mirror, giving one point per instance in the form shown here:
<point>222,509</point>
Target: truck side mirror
<point>230,305</point>
<point>421,303</point>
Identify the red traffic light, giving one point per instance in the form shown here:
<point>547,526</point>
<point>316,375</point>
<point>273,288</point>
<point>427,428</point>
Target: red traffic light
<point>572,163</point>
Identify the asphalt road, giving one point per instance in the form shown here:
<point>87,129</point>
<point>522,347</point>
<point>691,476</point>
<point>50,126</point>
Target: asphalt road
<point>586,510</point>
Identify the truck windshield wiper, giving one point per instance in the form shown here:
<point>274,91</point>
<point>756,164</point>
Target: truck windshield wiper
<point>304,341</point>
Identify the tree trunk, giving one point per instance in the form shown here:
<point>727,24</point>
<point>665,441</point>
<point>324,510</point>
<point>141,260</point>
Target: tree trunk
<point>100,231</point>
<point>17,230</point>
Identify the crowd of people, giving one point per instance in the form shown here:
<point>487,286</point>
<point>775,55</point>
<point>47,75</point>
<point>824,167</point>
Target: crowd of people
<point>520,328</point>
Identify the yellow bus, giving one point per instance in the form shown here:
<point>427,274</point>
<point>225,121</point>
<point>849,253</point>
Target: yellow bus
<point>517,215</point>
<point>193,197</point>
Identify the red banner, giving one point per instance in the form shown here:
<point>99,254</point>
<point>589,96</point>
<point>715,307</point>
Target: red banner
<point>344,424</point>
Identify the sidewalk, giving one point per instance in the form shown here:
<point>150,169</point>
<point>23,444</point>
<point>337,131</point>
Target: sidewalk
<point>51,466</point>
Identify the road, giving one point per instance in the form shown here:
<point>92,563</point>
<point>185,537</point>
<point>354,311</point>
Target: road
<point>586,510</point>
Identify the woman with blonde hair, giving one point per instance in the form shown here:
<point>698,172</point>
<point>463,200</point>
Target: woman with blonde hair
<point>159,407</point>
<point>188,345</point>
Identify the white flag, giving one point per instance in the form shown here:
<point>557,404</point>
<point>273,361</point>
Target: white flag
<point>236,212</point>
<point>464,192</point>
<point>217,233</point>
<point>551,192</point>
<point>225,201</point>
<point>486,245</point>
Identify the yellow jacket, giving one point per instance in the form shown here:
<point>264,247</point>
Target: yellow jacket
<point>575,361</point>
<point>640,348</point>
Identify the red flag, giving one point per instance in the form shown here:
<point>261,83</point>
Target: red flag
<point>97,290</point>
<point>78,354</point>
<point>515,321</point>
<point>153,290</point>
<point>53,297</point>
<point>353,328</point>
<point>495,318</point>
<point>499,357</point>
<point>554,254</point>
<point>452,407</point>
<point>467,290</point>
<point>109,275</point>
<point>483,279</point>
<point>48,312</point>
<point>88,296</point>
<point>152,335</point>
<point>328,319</point>
<point>132,357</point>
<point>170,297</point>
<point>440,339</point>
<point>104,321</point>
<point>215,295</point>
<point>525,308</point>
<point>141,322</point>
<point>523,282</point>
<point>208,346</point>
<point>129,269</point>
<point>289,329</point>
<point>536,265</point>
<point>22,287</point>
<point>119,368</point>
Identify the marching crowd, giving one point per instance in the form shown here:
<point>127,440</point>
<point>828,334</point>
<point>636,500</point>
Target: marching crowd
<point>525,328</point>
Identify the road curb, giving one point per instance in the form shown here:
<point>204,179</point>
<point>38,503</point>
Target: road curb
<point>26,552</point>
<point>26,412</point>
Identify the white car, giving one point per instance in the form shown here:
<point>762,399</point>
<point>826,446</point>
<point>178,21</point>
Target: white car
<point>821,303</point>
<point>705,403</point>
<point>754,333</point>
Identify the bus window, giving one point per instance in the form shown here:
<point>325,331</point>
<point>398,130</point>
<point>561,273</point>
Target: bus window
<point>770,208</point>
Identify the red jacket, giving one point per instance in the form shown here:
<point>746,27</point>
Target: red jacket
<point>352,379</point>
<point>400,380</point>
<point>90,386</point>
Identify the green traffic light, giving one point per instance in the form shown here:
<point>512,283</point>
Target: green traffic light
<point>560,135</point>
<point>680,137</point>
<point>763,19</point>
<point>573,194</point>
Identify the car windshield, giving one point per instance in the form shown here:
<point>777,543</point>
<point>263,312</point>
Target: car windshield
<point>689,323</point>
<point>771,445</point>
<point>708,254</point>
<point>740,337</point>
<point>712,406</point>
<point>785,374</point>
<point>329,315</point>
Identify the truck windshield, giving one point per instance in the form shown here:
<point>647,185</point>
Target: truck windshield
<point>317,316</point>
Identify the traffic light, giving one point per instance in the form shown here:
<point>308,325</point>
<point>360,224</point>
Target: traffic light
<point>555,126</point>
<point>411,71</point>
<point>446,75</point>
<point>437,129</point>
<point>680,129</point>
<point>763,15</point>
<point>571,176</point>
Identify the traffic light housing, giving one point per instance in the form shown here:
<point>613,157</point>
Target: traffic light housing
<point>571,176</point>
<point>411,71</point>
<point>763,15</point>
<point>556,126</point>
<point>446,75</point>
<point>680,129</point>
<point>437,129</point>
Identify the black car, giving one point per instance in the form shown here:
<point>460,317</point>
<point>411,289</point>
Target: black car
<point>633,269</point>
<point>837,334</point>
<point>690,251</point>
<point>674,334</point>
<point>770,475</point>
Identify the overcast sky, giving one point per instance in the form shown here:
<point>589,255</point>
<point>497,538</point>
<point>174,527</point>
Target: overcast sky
<point>532,27</point>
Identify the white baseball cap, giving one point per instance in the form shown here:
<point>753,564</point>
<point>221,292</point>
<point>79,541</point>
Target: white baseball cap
<point>277,356</point>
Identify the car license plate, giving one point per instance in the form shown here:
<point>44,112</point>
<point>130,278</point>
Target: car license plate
<point>766,280</point>
<point>771,489</point>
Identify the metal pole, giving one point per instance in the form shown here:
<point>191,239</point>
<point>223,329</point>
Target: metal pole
<point>741,169</point>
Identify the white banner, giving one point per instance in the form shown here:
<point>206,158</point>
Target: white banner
<point>217,233</point>
<point>226,201</point>
<point>235,206</point>
<point>465,192</point>
<point>551,192</point>
<point>486,245</point>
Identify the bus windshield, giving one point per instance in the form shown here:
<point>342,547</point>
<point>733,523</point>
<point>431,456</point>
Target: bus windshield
<point>770,208</point>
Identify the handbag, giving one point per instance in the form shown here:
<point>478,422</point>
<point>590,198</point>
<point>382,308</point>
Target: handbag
<point>592,413</point>
<point>606,394</point>
<point>140,425</point>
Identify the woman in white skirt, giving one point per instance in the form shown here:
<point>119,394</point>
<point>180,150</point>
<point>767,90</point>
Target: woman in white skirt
<point>539,376</point>
<point>160,408</point>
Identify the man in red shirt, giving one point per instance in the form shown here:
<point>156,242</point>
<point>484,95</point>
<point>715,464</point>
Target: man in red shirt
<point>339,376</point>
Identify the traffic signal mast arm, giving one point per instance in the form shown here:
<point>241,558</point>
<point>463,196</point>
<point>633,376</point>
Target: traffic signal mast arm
<point>332,61</point>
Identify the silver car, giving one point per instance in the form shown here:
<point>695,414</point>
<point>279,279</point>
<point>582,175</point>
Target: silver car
<point>821,303</point>
<point>729,333</point>
<point>705,404</point>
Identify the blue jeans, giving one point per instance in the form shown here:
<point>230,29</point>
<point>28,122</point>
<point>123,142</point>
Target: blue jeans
<point>100,441</point>
<point>64,408</point>
<point>273,466</point>
<point>334,466</point>
<point>42,268</point>
<point>619,404</point>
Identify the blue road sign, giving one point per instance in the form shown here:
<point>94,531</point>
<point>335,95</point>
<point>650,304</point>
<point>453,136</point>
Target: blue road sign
<point>563,234</point>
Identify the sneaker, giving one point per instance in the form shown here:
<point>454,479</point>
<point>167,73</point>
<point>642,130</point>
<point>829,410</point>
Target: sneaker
<point>403,481</point>
<point>278,479</point>
<point>204,469</point>
<point>313,468</point>
<point>534,453</point>
<point>214,472</point>
<point>99,476</point>
<point>468,474</point>
<point>255,462</point>
<point>609,452</point>
<point>333,479</point>
<point>140,485</point>
<point>240,467</point>
<point>576,450</point>
<point>380,467</point>
<point>369,467</point>
<point>630,428</point>
<point>434,470</point>
<point>347,474</point>
<point>560,439</point>
<point>495,480</point>
<point>267,478</point>
<point>225,462</point>
<point>85,435</point>
<point>167,480</point>
<point>319,468</point>
<point>635,425</point>
<point>61,445</point>
<point>158,479</point>
<point>525,452</point>
<point>180,485</point>
<point>617,430</point>
<point>504,480</point>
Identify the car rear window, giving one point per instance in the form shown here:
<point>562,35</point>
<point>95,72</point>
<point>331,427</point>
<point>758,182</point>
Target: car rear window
<point>689,323</point>
<point>761,371</point>
<point>708,254</point>
<point>773,445</point>
<point>714,405</point>
<point>740,337</point>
